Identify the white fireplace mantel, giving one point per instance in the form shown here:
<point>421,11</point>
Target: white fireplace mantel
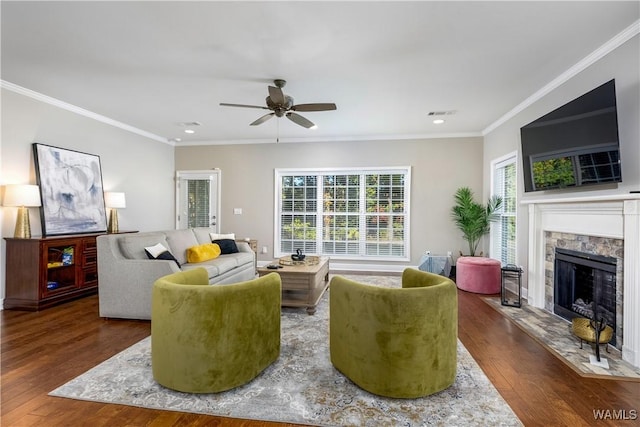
<point>609,216</point>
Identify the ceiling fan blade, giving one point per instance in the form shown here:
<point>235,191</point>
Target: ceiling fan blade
<point>298,119</point>
<point>224,104</point>
<point>262,119</point>
<point>314,107</point>
<point>276,95</point>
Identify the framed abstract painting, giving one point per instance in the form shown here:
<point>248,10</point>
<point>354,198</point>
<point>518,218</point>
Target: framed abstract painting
<point>71,191</point>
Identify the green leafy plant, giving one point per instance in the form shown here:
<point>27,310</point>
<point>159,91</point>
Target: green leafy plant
<point>472,218</point>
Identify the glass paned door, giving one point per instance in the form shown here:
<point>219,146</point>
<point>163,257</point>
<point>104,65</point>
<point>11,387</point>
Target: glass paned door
<point>197,199</point>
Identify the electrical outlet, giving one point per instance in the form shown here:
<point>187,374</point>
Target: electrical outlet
<point>265,249</point>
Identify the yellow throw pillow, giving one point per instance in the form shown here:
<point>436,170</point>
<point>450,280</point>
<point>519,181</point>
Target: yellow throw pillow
<point>203,252</point>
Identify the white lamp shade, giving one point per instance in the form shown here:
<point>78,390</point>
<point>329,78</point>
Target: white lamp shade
<point>114,200</point>
<point>21,195</point>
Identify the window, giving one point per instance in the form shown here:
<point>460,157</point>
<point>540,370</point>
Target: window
<point>503,231</point>
<point>198,203</point>
<point>348,213</point>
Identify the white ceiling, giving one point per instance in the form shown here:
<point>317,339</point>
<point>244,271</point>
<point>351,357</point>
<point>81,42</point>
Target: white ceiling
<point>154,65</point>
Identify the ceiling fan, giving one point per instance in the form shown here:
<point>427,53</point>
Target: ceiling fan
<point>282,105</point>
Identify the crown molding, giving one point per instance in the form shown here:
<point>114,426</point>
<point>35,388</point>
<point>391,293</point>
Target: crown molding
<point>358,138</point>
<point>617,41</point>
<point>80,111</point>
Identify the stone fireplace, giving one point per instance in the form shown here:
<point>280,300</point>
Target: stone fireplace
<point>605,228</point>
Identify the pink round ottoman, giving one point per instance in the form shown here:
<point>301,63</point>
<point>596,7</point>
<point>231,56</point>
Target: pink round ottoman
<point>478,274</point>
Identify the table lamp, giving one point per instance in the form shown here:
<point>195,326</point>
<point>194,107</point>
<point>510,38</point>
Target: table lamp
<point>23,196</point>
<point>115,201</point>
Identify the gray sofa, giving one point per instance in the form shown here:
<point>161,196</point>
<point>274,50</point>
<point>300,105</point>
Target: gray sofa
<point>126,274</point>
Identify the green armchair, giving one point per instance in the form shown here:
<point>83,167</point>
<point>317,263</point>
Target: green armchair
<point>395,342</point>
<point>210,338</point>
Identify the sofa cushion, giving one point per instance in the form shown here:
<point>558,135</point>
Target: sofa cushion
<point>202,234</point>
<point>227,246</point>
<point>132,245</point>
<point>159,251</point>
<point>204,252</point>
<point>217,266</point>
<point>212,270</point>
<point>224,263</point>
<point>241,258</point>
<point>179,241</point>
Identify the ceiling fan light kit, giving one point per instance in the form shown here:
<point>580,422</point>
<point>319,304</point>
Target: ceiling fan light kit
<point>282,105</point>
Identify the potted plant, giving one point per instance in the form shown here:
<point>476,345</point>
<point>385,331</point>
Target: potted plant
<point>472,218</point>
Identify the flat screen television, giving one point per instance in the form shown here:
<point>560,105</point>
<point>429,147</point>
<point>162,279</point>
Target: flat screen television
<point>574,145</point>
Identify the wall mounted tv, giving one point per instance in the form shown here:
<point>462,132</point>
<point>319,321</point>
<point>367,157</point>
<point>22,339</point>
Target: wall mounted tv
<point>574,145</point>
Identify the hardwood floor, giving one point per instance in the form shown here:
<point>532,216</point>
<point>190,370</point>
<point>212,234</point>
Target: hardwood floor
<point>43,350</point>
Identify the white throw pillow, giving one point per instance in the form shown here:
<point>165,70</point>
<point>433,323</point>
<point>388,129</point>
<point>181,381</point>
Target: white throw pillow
<point>156,250</point>
<point>216,236</point>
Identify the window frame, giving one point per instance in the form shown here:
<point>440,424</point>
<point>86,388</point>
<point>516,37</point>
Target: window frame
<point>320,173</point>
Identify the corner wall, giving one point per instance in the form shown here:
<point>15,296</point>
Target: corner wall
<point>141,168</point>
<point>621,64</point>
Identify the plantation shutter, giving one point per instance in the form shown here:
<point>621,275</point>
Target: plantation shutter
<point>385,214</point>
<point>503,231</point>
<point>198,201</point>
<point>341,219</point>
<point>298,213</point>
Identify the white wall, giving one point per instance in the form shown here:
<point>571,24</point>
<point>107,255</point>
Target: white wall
<point>621,64</point>
<point>141,168</point>
<point>439,168</point>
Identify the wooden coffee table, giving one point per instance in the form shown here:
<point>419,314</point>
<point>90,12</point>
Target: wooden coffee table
<point>302,285</point>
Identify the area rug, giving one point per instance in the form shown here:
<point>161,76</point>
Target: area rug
<point>555,334</point>
<point>300,387</point>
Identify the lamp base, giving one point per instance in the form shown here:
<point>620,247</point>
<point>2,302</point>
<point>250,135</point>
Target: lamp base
<point>23,228</point>
<point>113,221</point>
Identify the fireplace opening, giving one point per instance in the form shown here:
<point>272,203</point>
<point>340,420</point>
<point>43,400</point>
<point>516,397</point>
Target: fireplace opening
<point>585,286</point>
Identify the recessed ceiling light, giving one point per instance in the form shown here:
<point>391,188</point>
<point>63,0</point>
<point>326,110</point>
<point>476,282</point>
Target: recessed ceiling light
<point>189,131</point>
<point>438,121</point>
<point>314,127</point>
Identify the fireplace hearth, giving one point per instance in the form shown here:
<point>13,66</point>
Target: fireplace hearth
<point>606,225</point>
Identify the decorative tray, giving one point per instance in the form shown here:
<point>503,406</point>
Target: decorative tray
<point>308,260</point>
